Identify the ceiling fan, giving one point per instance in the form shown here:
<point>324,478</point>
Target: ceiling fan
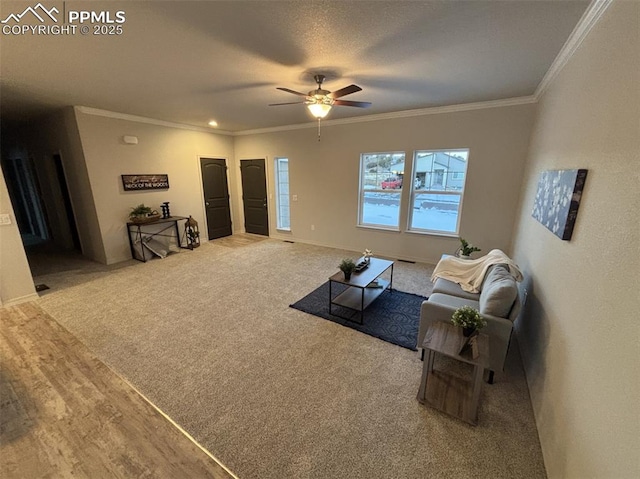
<point>320,101</point>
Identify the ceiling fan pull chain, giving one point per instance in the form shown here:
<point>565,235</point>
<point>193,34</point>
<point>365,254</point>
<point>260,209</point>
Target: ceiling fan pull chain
<point>318,129</point>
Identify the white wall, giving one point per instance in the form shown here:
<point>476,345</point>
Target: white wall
<point>58,133</point>
<point>160,149</point>
<point>580,333</point>
<point>16,284</point>
<point>324,176</point>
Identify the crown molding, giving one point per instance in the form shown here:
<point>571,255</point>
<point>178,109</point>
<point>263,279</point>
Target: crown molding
<point>398,114</point>
<point>150,121</point>
<point>589,18</point>
<point>343,121</point>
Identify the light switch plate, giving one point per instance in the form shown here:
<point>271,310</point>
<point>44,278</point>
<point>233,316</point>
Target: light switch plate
<point>5,219</point>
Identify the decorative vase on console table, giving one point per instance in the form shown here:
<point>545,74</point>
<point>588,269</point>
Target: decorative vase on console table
<point>192,233</point>
<point>165,210</point>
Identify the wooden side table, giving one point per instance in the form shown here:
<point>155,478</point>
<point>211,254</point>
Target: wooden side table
<point>443,391</point>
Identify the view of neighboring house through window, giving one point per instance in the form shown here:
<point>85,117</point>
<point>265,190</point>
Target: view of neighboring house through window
<point>282,193</point>
<point>438,188</point>
<point>380,189</point>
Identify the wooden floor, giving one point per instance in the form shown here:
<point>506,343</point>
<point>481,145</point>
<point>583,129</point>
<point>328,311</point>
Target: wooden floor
<point>239,240</point>
<point>63,413</point>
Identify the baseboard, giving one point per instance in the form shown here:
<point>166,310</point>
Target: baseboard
<point>21,299</point>
<point>380,254</point>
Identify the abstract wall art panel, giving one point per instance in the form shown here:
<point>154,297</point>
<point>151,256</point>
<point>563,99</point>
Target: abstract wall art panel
<point>557,200</point>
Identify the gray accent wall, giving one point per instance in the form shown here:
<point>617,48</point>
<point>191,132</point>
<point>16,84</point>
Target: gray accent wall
<point>580,331</point>
<point>324,176</point>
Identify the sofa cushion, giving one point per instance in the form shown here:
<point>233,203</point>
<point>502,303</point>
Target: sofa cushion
<point>453,302</point>
<point>489,270</point>
<point>499,291</point>
<point>445,286</point>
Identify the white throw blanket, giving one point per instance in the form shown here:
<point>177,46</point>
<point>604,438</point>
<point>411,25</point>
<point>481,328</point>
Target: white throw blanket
<point>469,273</point>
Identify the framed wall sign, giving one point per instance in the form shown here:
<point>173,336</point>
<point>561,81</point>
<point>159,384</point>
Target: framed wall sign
<point>145,182</point>
<point>557,200</point>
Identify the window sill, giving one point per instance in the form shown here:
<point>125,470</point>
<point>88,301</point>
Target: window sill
<point>379,228</point>
<point>433,233</point>
<point>284,230</point>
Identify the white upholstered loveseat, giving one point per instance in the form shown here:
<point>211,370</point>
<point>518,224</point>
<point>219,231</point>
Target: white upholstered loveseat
<point>498,301</point>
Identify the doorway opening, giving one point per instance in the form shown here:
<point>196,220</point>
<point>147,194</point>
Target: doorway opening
<point>25,197</point>
<point>44,214</point>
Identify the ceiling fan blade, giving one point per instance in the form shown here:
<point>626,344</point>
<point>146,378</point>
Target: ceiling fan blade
<point>344,91</point>
<point>289,103</point>
<point>359,104</point>
<point>291,91</point>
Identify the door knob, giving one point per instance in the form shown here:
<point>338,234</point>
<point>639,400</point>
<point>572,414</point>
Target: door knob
<point>206,203</point>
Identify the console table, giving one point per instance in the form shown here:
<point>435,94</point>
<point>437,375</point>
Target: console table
<point>167,227</point>
<point>446,392</point>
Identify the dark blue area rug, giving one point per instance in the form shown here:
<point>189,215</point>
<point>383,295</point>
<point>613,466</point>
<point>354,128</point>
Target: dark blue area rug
<point>393,317</point>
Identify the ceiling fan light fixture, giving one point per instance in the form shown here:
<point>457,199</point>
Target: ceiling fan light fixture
<point>319,110</point>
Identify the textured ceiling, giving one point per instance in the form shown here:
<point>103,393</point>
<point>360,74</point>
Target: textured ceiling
<point>189,62</point>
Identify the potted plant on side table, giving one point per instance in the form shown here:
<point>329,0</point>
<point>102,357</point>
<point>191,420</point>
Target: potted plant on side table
<point>469,319</point>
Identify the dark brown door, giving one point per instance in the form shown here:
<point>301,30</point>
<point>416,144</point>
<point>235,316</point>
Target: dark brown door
<point>216,197</point>
<point>254,197</point>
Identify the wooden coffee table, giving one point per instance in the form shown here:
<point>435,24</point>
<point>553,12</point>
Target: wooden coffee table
<point>358,296</point>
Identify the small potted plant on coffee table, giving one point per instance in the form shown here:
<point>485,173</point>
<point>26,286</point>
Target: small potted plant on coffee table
<point>347,266</point>
<point>469,319</point>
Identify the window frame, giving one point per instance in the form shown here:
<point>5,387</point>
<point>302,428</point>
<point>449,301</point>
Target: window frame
<point>277,181</point>
<point>362,191</point>
<point>459,193</point>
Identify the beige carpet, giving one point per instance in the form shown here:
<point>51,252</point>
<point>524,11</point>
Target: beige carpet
<point>273,392</point>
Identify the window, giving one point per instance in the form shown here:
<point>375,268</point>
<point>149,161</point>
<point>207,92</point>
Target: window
<point>380,189</point>
<point>282,194</point>
<point>438,188</point>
